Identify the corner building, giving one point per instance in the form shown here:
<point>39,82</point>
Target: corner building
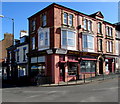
<point>66,44</point>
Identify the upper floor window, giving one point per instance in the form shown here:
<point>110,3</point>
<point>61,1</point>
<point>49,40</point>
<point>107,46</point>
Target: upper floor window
<point>33,43</point>
<point>100,27</point>
<point>33,25</point>
<point>90,25</point>
<point>67,19</point>
<point>24,53</point>
<point>71,20</point>
<point>88,42</point>
<point>22,39</point>
<point>43,38</point>
<point>109,31</point>
<point>17,55</point>
<point>100,45</point>
<point>85,24</point>
<point>44,20</point>
<point>68,39</point>
<point>109,46</point>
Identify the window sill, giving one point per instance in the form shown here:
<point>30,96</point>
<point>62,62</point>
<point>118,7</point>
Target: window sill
<point>68,26</point>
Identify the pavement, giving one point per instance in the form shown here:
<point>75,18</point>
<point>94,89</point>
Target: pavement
<point>86,81</point>
<point>98,91</point>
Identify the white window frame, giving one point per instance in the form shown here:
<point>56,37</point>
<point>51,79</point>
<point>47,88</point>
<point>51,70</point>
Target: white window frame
<point>44,20</point>
<point>65,18</point>
<point>85,24</point>
<point>99,27</point>
<point>67,46</point>
<point>87,49</point>
<point>90,25</point>
<point>44,31</point>
<point>33,43</point>
<point>70,20</point>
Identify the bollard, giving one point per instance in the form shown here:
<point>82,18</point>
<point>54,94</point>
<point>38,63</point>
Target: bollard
<point>84,78</point>
<point>91,77</point>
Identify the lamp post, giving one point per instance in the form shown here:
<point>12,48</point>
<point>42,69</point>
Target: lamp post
<point>12,25</point>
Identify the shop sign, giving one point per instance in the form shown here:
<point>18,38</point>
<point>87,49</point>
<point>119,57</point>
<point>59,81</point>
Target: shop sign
<point>41,59</point>
<point>61,51</point>
<point>72,52</point>
<point>49,51</point>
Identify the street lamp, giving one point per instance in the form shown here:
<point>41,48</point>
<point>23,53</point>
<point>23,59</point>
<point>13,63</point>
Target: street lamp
<point>12,25</point>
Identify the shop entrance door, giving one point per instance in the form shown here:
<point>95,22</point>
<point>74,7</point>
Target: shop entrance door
<point>62,72</point>
<point>100,66</point>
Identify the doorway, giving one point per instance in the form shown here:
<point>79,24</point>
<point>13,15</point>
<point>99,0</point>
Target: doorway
<point>100,66</point>
<point>62,72</point>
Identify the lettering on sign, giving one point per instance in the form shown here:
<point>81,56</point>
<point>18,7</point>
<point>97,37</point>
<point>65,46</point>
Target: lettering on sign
<point>49,51</point>
<point>70,52</point>
<point>60,51</point>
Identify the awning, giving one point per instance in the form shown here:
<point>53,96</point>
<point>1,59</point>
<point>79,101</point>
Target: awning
<point>90,59</point>
<point>72,61</point>
<point>108,58</point>
<point>62,61</point>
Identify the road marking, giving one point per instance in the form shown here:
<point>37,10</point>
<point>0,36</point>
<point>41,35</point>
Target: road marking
<point>32,96</point>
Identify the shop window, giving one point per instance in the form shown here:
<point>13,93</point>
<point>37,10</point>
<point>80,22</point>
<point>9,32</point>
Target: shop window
<point>38,70</point>
<point>87,66</point>
<point>68,39</point>
<point>72,70</point>
<point>99,27</point>
<point>33,43</point>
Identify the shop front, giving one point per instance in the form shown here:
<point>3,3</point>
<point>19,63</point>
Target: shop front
<point>109,65</point>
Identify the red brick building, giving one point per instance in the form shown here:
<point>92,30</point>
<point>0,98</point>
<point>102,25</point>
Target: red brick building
<point>65,44</point>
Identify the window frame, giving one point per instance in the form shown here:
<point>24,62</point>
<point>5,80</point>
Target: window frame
<point>85,24</point>
<point>24,54</point>
<point>87,42</point>
<point>33,25</point>
<point>44,20</point>
<point>89,25</point>
<point>74,39</point>
<point>70,20</point>
<point>99,27</point>
<point>100,47</point>
<point>33,43</point>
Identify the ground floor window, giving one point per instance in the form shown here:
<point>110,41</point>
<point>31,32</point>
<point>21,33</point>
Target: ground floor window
<point>21,71</point>
<point>38,69</point>
<point>72,70</point>
<point>87,66</point>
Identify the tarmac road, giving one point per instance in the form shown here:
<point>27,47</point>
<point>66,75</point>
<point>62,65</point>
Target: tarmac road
<point>99,91</point>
